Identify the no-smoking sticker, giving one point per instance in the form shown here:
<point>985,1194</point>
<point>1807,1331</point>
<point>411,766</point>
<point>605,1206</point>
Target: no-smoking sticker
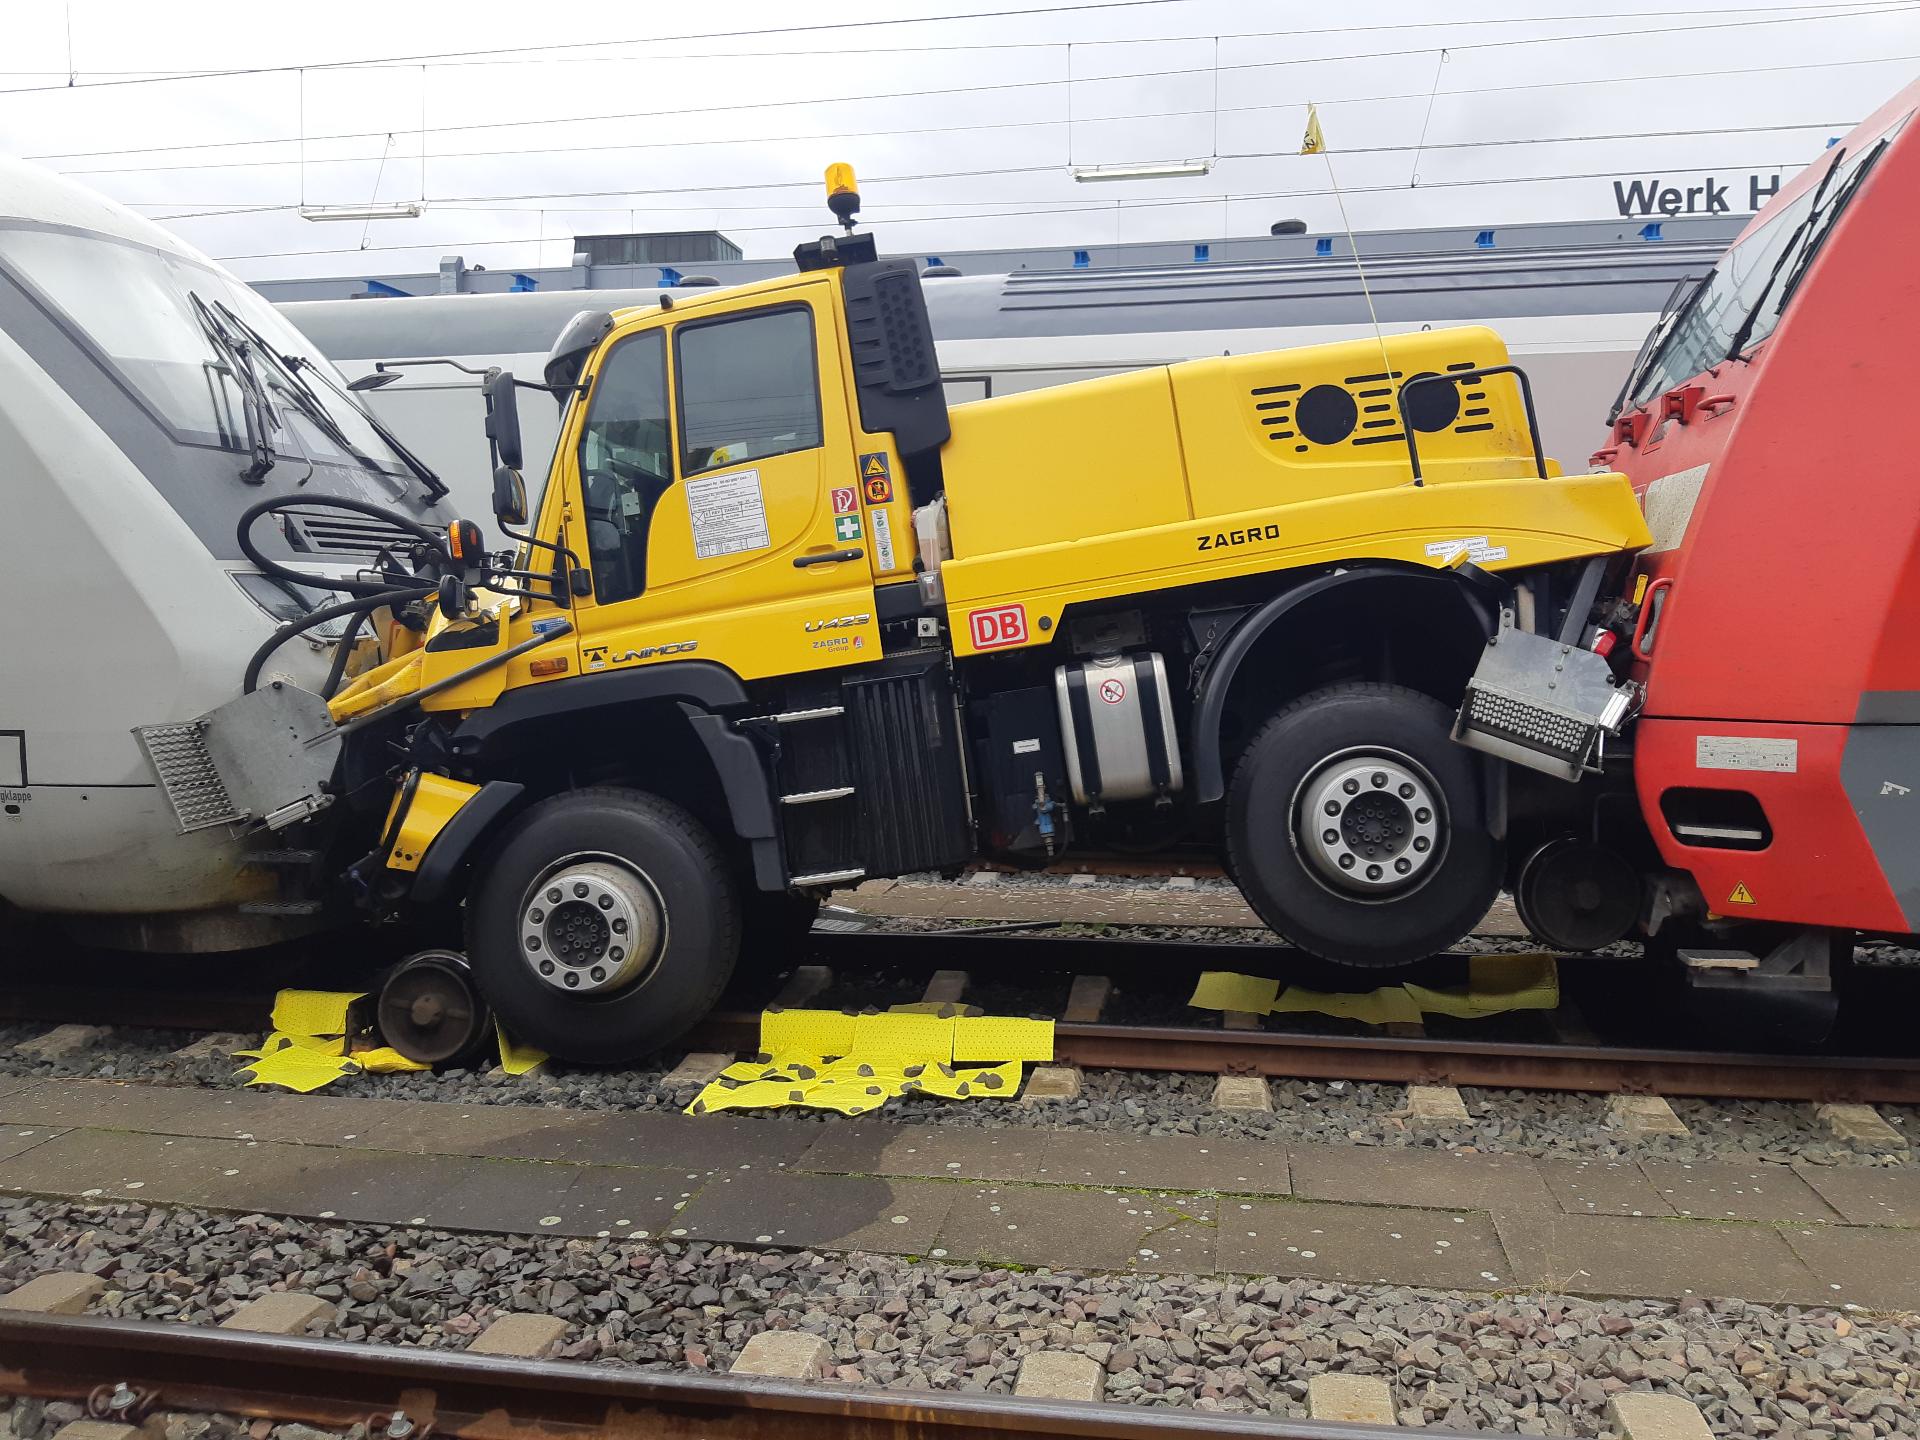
<point>1112,691</point>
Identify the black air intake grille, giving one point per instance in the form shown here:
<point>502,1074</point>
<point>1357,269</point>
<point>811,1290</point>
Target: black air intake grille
<point>336,533</point>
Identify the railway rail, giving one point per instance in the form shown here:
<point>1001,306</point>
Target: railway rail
<point>1563,1058</point>
<point>130,1368</point>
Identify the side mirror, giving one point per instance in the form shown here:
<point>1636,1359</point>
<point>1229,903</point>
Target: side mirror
<point>503,419</point>
<point>509,496</point>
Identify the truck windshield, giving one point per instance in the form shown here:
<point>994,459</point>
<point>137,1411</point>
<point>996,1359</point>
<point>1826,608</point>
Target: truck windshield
<point>144,313</point>
<point>1741,301</point>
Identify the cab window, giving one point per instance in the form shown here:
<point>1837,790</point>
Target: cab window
<point>1742,299</point>
<point>626,463</point>
<point>748,388</point>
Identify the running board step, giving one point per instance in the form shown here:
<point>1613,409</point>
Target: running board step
<point>813,797</point>
<point>281,907</point>
<point>828,877</point>
<point>1719,959</point>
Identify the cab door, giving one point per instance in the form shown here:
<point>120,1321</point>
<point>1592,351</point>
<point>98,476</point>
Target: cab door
<point>704,464</point>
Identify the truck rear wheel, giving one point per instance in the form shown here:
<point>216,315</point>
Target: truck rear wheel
<point>604,925</point>
<point>1356,827</point>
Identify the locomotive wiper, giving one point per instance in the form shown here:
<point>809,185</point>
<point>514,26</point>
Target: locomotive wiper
<point>1781,261</point>
<point>237,362</point>
<point>297,367</point>
<point>1671,313</point>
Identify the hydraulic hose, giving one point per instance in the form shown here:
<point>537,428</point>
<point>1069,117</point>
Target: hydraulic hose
<point>365,595</point>
<point>358,606</point>
<point>434,539</point>
<point>342,652</point>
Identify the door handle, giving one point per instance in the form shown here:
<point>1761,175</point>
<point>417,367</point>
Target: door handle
<point>827,557</point>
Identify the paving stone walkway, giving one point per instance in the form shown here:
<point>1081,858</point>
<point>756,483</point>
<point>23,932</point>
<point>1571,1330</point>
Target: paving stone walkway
<point>1069,1199</point>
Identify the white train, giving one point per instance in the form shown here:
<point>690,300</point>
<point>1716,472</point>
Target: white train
<point>147,398</point>
<point>1573,302</point>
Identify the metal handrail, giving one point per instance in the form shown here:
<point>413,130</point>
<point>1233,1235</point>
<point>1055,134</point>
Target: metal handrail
<point>1471,377</point>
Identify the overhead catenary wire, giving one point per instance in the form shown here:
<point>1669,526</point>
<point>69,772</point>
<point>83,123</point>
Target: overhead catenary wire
<point>925,92</point>
<point>544,53</point>
<point>202,166</point>
<point>1109,207</point>
<point>1000,171</point>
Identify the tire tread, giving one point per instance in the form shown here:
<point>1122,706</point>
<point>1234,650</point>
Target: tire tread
<point>1239,861</point>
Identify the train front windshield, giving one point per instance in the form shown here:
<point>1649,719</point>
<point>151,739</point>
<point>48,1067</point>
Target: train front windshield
<point>205,354</point>
<point>1738,304</point>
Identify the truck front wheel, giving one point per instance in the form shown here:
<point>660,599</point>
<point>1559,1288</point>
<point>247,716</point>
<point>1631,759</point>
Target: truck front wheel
<point>604,925</point>
<point>1356,827</point>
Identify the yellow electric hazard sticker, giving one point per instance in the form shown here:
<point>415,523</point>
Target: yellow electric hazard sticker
<point>1741,895</point>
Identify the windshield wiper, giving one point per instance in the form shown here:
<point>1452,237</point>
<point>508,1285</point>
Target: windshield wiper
<point>1671,314</point>
<point>1787,252</point>
<point>1827,220</point>
<point>297,368</point>
<point>427,476</point>
<point>237,362</point>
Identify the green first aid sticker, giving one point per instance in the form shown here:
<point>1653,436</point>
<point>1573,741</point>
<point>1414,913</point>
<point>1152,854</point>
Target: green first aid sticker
<point>846,527</point>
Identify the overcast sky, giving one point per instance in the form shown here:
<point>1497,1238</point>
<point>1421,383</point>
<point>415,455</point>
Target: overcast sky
<point>592,117</point>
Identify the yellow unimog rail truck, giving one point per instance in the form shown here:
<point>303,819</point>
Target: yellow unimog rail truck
<point>782,620</point>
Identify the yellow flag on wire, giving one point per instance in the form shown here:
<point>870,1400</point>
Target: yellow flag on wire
<point>1313,142</point>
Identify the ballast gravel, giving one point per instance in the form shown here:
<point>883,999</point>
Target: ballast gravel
<point>32,1418</point>
<point>1535,1364</point>
<point>1512,1122</point>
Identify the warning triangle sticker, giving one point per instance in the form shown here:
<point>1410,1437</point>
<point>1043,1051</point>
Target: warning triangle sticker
<point>1741,895</point>
<point>876,465</point>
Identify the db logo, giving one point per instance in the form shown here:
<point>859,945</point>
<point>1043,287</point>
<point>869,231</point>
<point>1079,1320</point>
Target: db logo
<point>1112,691</point>
<point>995,629</point>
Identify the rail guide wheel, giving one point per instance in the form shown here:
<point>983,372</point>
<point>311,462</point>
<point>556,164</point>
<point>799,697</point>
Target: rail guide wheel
<point>1576,895</point>
<point>430,1010</point>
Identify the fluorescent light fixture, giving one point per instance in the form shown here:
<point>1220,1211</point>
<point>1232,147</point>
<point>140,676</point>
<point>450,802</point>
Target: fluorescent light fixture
<point>1159,170</point>
<point>395,210</point>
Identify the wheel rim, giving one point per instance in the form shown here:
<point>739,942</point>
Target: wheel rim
<point>429,1010</point>
<point>1371,822</point>
<point>591,925</point>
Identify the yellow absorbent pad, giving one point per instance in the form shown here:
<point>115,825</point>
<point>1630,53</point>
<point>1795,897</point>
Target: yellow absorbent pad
<point>385,1060</point>
<point>314,1012</point>
<point>310,1045</point>
<point>1495,985</point>
<point>806,1032</point>
<point>1002,1037</point>
<point>516,1059</point>
<point>855,1063</point>
<point>307,1047</point>
<point>1224,990</point>
<point>280,1040</point>
<point>950,1082</point>
<point>297,1068</point>
<point>1386,1006</point>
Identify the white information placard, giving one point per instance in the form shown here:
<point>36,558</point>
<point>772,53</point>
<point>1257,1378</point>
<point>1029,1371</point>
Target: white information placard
<point>728,513</point>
